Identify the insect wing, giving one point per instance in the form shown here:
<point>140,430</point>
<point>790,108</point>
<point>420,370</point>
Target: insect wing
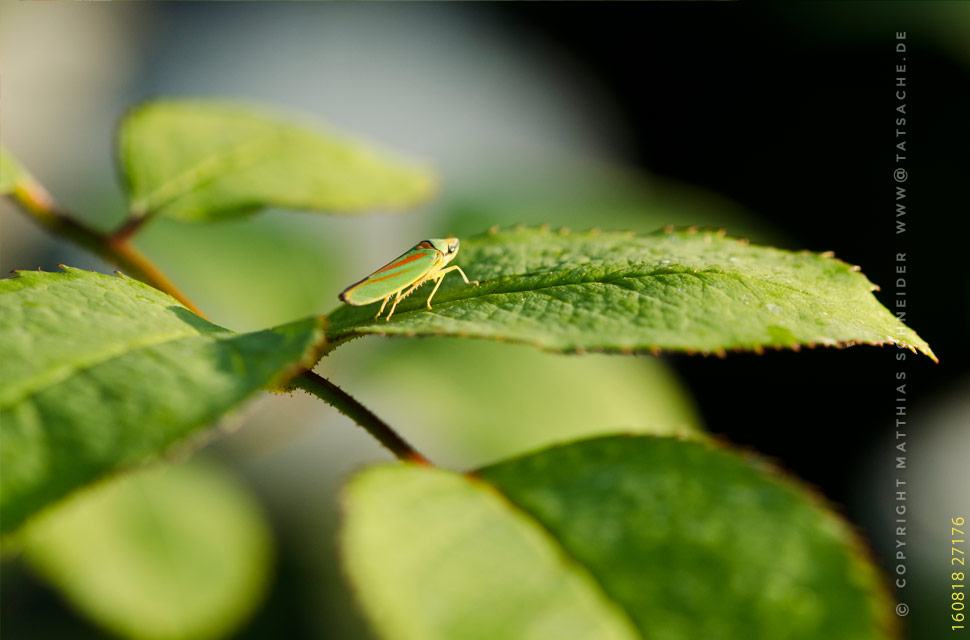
<point>401,272</point>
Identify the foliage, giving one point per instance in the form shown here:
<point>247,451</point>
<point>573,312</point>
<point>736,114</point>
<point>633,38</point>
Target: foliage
<point>203,161</point>
<point>660,535</point>
<point>11,172</point>
<point>100,373</point>
<point>622,292</point>
<point>191,539</point>
<point>615,537</point>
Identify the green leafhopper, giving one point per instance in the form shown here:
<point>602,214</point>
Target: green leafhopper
<point>425,261</point>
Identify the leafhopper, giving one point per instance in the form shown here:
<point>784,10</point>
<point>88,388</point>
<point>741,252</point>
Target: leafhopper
<point>425,261</point>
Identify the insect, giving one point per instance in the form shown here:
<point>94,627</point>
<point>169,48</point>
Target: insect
<point>425,261</point>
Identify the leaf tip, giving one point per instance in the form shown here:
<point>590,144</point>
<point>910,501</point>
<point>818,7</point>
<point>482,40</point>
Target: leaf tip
<point>926,351</point>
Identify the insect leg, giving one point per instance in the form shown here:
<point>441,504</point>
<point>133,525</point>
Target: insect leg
<point>455,267</point>
<point>464,277</point>
<point>393,306</point>
<point>441,276</point>
<point>383,304</point>
<point>415,286</point>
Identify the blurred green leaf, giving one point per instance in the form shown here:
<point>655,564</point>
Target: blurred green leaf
<point>98,373</point>
<point>176,553</point>
<point>198,160</point>
<point>434,555</point>
<point>622,536</point>
<point>11,172</point>
<point>618,291</point>
<point>507,398</point>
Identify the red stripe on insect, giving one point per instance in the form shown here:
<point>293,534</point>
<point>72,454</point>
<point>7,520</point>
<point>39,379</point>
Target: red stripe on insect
<point>382,278</point>
<point>399,263</point>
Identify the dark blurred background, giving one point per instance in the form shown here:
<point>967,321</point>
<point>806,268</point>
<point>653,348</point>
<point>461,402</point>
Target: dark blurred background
<point>774,121</point>
<point>788,110</point>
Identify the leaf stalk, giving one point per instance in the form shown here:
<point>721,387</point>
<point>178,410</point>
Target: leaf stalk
<point>34,200</point>
<point>317,385</point>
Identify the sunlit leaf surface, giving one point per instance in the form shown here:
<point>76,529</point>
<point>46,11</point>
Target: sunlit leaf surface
<point>684,291</point>
<point>98,373</point>
<point>198,160</point>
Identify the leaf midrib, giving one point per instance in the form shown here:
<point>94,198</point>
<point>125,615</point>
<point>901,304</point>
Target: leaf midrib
<point>17,391</point>
<point>241,155</point>
<point>570,561</point>
<point>608,279</point>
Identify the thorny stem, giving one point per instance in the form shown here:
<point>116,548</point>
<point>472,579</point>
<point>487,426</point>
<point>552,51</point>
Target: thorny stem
<point>336,397</point>
<point>34,200</point>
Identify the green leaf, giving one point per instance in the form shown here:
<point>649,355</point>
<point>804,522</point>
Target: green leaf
<point>98,373</point>
<point>615,291</point>
<point>622,536</point>
<point>434,555</point>
<point>172,553</point>
<point>198,160</point>
<point>11,172</point>
<point>520,388</point>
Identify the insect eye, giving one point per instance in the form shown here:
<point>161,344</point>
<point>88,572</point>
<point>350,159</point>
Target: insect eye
<point>452,248</point>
